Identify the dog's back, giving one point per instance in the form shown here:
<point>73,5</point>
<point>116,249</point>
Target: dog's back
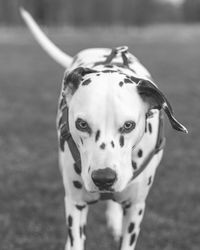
<point>97,56</point>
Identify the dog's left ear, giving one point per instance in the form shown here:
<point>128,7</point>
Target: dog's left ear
<point>73,79</point>
<point>151,94</point>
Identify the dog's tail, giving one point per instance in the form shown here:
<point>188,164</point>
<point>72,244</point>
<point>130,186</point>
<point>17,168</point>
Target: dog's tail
<point>51,49</point>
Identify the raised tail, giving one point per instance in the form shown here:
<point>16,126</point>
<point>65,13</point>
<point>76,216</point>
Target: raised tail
<point>59,56</point>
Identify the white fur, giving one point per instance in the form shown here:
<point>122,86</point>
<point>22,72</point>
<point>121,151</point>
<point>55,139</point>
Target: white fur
<point>114,219</point>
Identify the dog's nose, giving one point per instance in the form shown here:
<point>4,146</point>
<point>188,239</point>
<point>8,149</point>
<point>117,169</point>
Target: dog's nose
<point>104,178</point>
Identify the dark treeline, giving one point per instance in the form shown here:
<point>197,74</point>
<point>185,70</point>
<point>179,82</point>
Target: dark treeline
<point>100,12</point>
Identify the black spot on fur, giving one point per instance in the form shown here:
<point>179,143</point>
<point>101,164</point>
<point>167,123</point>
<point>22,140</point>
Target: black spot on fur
<point>109,71</point>
<point>127,80</point>
<point>86,82</point>
<point>124,211</point>
<point>121,84</point>
<point>128,205</point>
<point>81,140</point>
<point>145,126</point>
<point>140,212</point>
<point>80,231</point>
<point>97,135</point>
<point>77,184</point>
<point>131,227</point>
<point>92,202</point>
<point>132,239</point>
<point>140,153</point>
<point>150,180</point>
<point>70,221</point>
<point>80,207</point>
<point>134,165</point>
<point>71,236</point>
<point>77,169</point>
<point>121,140</point>
<point>112,144</point>
<point>98,74</point>
<point>150,128</point>
<point>103,145</point>
<point>124,202</point>
<point>135,79</point>
<point>109,66</point>
<point>75,77</point>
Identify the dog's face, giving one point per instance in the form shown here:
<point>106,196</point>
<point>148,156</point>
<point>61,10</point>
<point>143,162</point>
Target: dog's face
<point>107,119</point>
<point>107,112</point>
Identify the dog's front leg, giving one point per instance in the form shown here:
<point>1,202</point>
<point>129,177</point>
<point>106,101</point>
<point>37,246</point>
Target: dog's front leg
<point>132,217</point>
<point>76,216</point>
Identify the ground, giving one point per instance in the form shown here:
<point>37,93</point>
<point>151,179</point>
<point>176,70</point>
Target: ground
<point>31,191</point>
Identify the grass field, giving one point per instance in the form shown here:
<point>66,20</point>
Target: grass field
<point>31,191</point>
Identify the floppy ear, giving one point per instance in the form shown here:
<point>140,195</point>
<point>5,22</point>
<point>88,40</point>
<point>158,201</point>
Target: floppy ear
<point>151,94</point>
<point>72,80</point>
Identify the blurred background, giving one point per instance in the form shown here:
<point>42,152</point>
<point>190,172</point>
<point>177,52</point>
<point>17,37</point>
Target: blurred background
<point>165,36</point>
<point>93,12</point>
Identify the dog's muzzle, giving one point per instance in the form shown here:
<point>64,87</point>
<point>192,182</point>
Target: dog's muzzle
<point>104,178</point>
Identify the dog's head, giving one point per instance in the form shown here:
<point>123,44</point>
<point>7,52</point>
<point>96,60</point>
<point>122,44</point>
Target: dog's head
<point>107,112</point>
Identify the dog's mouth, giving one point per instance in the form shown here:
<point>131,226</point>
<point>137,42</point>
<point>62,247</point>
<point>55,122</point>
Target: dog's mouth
<point>106,189</point>
<point>103,191</point>
<point>110,190</point>
<point>106,195</point>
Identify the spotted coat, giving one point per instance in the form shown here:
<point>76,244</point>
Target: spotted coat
<point>91,68</point>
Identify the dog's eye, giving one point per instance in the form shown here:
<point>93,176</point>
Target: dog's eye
<point>82,125</point>
<point>128,127</point>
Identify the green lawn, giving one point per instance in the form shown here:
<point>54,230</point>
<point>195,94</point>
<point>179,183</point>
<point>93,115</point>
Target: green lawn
<point>31,191</point>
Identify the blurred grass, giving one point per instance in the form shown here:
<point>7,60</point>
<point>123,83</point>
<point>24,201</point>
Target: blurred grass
<point>31,191</point>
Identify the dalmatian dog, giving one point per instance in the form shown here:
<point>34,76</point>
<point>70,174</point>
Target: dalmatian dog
<point>110,133</point>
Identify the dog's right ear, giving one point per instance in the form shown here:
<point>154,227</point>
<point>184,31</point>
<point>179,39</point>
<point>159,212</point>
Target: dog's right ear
<point>156,99</point>
<point>73,79</point>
